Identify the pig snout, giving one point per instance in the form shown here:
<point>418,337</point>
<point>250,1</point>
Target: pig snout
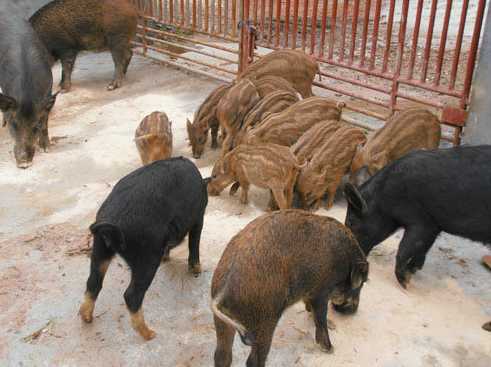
<point>24,155</point>
<point>212,190</point>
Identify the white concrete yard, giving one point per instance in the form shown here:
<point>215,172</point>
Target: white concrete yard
<point>45,211</point>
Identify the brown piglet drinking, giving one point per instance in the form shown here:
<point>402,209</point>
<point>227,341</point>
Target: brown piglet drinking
<point>408,130</point>
<point>329,163</point>
<point>153,138</point>
<point>267,166</point>
<point>286,127</point>
<point>233,107</point>
<point>206,119</point>
<point>276,261</point>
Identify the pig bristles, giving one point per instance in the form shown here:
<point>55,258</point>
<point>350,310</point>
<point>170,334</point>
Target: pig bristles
<point>226,319</point>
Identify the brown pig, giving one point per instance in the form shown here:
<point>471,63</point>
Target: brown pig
<point>277,260</point>
<point>153,138</point>
<point>286,127</point>
<point>314,137</point>
<point>233,107</point>
<point>329,163</point>
<point>295,66</point>
<point>408,130</point>
<point>272,103</point>
<point>269,84</point>
<point>265,165</point>
<point>204,120</point>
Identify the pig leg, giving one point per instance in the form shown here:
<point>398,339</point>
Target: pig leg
<point>225,340</point>
<point>244,194</point>
<point>121,55</point>
<point>214,136</point>
<point>319,306</point>
<point>142,274</point>
<point>262,345</point>
<point>100,259</point>
<point>67,63</point>
<point>44,137</point>
<point>416,242</point>
<point>194,239</point>
<point>279,196</point>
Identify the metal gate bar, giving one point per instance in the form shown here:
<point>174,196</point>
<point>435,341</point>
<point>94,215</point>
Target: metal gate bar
<point>382,55</point>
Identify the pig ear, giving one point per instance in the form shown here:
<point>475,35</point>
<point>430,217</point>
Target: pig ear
<point>7,103</point>
<point>355,198</point>
<point>189,127</point>
<point>359,274</point>
<point>51,101</point>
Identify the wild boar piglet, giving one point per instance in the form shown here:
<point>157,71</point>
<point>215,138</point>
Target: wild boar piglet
<point>153,137</point>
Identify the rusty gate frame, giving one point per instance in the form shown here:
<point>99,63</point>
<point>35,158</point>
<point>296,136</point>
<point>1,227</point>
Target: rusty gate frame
<point>233,28</point>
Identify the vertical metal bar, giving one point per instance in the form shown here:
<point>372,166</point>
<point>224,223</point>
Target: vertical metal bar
<point>323,28</point>
<point>166,11</point>
<point>278,23</point>
<point>414,46</point>
<point>458,44</point>
<point>389,36</point>
<point>429,39</point>
<point>234,18</point>
<point>443,40</point>
<point>304,22</point>
<point>400,54</point>
<point>295,24</point>
<point>226,11</point>
<point>255,7</point>
<point>171,11</point>
<point>207,16</point>
<point>471,62</point>
<point>313,31</point>
<point>270,30</point>
<point>219,16</point>
<point>364,36</point>
<point>354,28</point>
<point>287,23</point>
<point>161,13</point>
<point>194,15</point>
<point>263,18</point>
<point>212,16</point>
<point>343,29</point>
<point>334,15</point>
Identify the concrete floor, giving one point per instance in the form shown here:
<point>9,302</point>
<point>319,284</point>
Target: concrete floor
<point>45,211</point>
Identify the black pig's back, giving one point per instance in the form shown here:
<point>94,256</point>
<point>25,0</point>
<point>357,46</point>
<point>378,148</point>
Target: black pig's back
<point>164,199</point>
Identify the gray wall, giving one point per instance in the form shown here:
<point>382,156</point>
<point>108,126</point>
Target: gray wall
<point>478,128</point>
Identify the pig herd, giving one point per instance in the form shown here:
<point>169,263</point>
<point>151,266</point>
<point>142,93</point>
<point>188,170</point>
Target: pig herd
<point>274,134</point>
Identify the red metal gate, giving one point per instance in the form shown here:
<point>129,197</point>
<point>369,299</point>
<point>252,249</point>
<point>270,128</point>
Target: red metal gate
<point>378,55</point>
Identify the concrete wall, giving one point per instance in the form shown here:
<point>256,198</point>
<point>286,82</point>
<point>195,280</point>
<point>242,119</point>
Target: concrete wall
<point>478,129</point>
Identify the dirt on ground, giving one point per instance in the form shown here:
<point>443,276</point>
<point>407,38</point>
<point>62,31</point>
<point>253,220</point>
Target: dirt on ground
<point>45,212</point>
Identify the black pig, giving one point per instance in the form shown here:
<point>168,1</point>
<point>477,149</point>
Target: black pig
<point>277,260</point>
<point>26,81</point>
<point>147,213</point>
<point>69,26</point>
<point>425,192</point>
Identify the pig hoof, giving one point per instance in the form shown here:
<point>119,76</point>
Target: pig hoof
<point>403,277</point>
<point>326,348</point>
<point>195,270</point>
<point>113,85</point>
<point>86,312</point>
<point>147,334</point>
<point>331,325</point>
<point>487,326</point>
